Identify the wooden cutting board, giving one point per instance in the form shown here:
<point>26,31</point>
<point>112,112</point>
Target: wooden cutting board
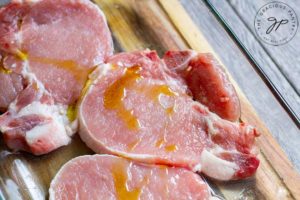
<point>159,25</point>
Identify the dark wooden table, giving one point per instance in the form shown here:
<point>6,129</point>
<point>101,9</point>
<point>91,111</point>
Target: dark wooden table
<point>280,63</point>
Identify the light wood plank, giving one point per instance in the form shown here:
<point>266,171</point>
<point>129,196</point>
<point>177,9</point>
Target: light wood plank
<point>285,56</point>
<point>264,59</point>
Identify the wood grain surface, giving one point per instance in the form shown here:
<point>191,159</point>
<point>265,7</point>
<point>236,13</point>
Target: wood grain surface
<point>161,25</point>
<point>286,57</point>
<point>275,60</point>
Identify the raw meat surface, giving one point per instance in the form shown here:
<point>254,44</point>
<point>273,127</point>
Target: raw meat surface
<point>207,82</point>
<point>137,108</point>
<point>52,46</point>
<point>34,123</point>
<point>10,86</point>
<point>62,41</point>
<point>109,177</point>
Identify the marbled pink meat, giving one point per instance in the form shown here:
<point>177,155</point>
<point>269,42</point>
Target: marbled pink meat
<point>62,40</point>
<point>207,82</point>
<point>136,107</point>
<point>109,177</point>
<point>10,86</point>
<point>48,47</point>
<point>34,123</point>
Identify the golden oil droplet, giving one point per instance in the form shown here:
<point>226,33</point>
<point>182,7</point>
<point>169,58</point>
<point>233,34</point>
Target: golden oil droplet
<point>120,181</point>
<point>159,143</point>
<point>132,145</point>
<point>157,90</point>
<point>4,71</point>
<point>72,112</point>
<point>22,55</point>
<point>170,110</point>
<point>171,148</point>
<point>161,89</point>
<point>114,95</point>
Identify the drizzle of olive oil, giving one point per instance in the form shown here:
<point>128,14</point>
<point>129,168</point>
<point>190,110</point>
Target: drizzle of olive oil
<point>87,85</point>
<point>114,67</point>
<point>170,110</point>
<point>22,55</point>
<point>114,95</point>
<point>159,143</point>
<point>171,148</point>
<point>2,69</point>
<point>157,90</point>
<point>72,112</point>
<point>161,89</point>
<point>132,145</point>
<point>68,65</point>
<point>78,72</point>
<point>35,86</point>
<point>120,182</point>
<point>5,71</point>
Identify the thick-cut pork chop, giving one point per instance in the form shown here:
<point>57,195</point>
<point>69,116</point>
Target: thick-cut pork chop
<point>137,108</point>
<point>114,178</point>
<point>207,81</point>
<point>62,40</point>
<point>52,46</point>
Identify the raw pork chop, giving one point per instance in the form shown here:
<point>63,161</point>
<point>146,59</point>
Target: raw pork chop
<point>53,44</point>
<point>207,81</point>
<point>137,108</point>
<point>61,40</point>
<point>109,177</point>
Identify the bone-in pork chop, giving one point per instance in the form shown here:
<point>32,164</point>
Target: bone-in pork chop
<point>137,108</point>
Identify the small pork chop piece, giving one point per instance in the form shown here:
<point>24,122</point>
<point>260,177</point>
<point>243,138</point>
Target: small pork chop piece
<point>34,123</point>
<point>135,107</point>
<point>62,41</point>
<point>54,44</point>
<point>207,81</point>
<point>94,177</point>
